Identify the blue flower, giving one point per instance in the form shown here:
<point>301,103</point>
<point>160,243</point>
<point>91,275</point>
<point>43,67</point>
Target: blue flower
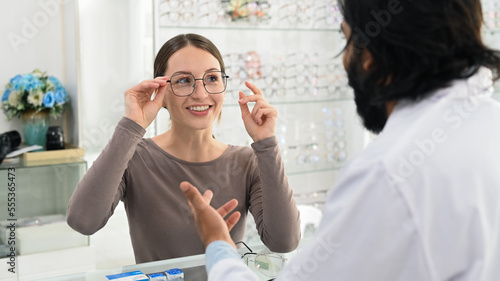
<point>55,82</point>
<point>61,96</point>
<point>31,82</point>
<point>26,82</point>
<point>48,99</point>
<point>33,91</point>
<point>16,79</point>
<point>5,95</point>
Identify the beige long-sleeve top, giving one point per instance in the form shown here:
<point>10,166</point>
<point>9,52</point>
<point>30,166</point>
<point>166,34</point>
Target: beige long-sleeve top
<point>146,178</point>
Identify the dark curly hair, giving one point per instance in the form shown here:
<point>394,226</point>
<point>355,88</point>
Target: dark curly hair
<point>418,46</point>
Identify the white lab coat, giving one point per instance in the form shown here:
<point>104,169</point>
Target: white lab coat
<point>422,202</point>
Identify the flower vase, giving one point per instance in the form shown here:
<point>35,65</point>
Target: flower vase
<point>34,126</point>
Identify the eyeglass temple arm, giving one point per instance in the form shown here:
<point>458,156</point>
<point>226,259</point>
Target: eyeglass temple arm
<point>245,245</point>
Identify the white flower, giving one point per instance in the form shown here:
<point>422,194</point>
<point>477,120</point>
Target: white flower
<point>14,98</point>
<point>50,85</point>
<point>35,98</point>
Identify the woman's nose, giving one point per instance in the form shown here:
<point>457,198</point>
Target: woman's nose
<point>199,90</point>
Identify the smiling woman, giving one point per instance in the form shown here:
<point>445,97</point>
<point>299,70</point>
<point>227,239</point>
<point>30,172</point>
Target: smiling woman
<point>145,173</point>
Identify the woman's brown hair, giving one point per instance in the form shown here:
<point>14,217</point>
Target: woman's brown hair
<point>180,41</point>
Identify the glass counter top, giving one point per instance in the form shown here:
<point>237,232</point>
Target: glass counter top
<point>192,266</point>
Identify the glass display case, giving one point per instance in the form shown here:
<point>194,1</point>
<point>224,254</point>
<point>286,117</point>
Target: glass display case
<point>33,216</point>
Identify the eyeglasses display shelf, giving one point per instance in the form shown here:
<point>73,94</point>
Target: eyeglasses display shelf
<point>292,51</point>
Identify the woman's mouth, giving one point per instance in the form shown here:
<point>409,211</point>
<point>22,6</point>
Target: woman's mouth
<point>199,108</point>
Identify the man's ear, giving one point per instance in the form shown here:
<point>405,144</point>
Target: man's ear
<point>367,59</point>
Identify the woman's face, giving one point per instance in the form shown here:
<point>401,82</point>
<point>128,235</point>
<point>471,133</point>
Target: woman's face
<point>200,109</point>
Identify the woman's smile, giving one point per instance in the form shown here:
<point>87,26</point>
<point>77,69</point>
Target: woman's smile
<point>199,110</point>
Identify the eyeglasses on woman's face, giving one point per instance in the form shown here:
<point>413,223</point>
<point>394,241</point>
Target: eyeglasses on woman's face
<point>184,84</point>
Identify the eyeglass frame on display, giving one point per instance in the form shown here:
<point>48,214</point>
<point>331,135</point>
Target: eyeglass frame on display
<point>223,76</point>
<point>180,4</point>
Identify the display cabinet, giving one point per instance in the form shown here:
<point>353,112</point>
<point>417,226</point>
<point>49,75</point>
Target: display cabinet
<point>34,234</point>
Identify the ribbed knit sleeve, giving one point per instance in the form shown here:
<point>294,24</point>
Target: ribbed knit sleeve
<point>271,200</point>
<point>99,191</point>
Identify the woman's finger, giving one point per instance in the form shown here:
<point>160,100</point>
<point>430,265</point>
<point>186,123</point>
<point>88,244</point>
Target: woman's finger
<point>252,98</point>
<point>149,85</point>
<point>243,106</point>
<point>162,78</point>
<point>262,108</point>
<point>264,114</point>
<point>148,88</point>
<point>253,88</point>
<point>257,107</point>
<point>257,94</point>
<point>160,95</point>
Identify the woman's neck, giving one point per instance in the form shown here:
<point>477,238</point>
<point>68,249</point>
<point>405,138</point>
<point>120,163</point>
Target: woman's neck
<point>190,145</point>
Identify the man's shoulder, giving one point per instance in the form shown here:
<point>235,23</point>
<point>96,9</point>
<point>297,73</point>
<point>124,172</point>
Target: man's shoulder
<point>423,137</point>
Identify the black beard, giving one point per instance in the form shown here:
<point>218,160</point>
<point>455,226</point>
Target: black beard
<point>373,115</point>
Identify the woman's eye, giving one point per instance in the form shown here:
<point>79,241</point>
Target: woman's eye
<point>212,78</point>
<point>184,80</point>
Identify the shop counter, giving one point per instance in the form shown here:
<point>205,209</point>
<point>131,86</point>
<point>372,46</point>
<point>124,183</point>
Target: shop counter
<point>192,266</point>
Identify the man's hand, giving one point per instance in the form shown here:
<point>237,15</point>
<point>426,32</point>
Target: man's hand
<point>208,221</point>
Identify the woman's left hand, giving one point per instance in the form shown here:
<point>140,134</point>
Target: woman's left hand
<point>261,122</point>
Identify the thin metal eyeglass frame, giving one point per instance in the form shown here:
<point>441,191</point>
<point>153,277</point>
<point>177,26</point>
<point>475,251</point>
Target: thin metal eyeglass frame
<point>260,254</point>
<point>223,76</point>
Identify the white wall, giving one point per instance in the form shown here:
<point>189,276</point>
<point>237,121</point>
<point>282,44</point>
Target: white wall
<point>98,49</point>
<point>39,34</point>
<point>116,53</point>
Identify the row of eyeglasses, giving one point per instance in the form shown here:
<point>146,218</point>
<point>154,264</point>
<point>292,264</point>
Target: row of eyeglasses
<point>318,143</point>
<point>291,77</point>
<point>491,13</point>
<point>271,13</point>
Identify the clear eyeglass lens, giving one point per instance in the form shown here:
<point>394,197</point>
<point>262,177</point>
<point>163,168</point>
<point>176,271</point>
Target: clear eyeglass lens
<point>269,264</point>
<point>182,84</point>
<point>174,4</point>
<point>215,82</point>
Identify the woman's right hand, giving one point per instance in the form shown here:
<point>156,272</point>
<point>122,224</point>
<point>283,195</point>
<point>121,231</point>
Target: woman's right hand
<point>139,106</point>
